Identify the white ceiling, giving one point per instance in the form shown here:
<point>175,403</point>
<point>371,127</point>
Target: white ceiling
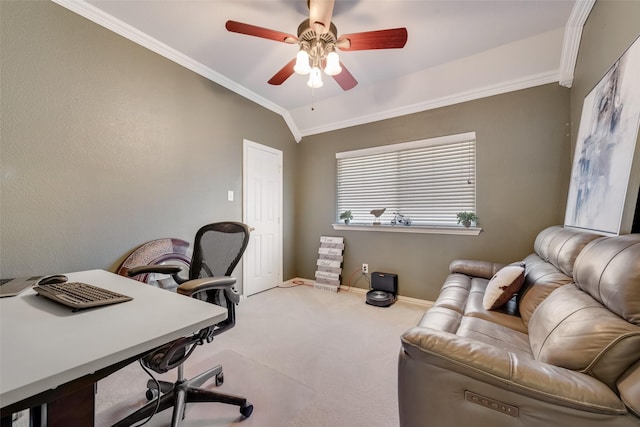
<point>457,50</point>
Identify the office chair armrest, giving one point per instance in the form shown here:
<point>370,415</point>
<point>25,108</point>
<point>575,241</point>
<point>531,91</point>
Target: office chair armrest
<point>206,284</point>
<point>145,269</point>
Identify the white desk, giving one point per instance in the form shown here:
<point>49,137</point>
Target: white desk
<point>44,345</point>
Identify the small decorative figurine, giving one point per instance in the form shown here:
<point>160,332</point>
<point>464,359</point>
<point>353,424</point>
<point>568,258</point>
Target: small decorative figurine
<point>377,213</point>
<point>398,218</point>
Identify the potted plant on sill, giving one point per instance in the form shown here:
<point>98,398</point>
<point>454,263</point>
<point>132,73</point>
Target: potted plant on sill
<point>465,218</point>
<point>346,216</point>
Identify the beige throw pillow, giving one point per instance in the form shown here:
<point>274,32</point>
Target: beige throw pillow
<point>502,286</point>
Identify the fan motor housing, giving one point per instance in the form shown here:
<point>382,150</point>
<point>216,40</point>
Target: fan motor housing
<point>308,34</point>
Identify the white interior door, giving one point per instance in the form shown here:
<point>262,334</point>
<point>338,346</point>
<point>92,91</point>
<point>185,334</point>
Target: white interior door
<point>262,211</point>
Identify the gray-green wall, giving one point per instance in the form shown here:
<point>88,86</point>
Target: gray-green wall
<point>522,178</point>
<point>525,146</point>
<point>106,145</point>
<point>610,29</point>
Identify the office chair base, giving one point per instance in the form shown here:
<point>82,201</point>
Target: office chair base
<point>165,386</point>
<point>182,392</point>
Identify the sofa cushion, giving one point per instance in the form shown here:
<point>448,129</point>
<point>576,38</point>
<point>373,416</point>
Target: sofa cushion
<point>561,246</point>
<point>540,279</point>
<point>442,319</point>
<point>502,286</point>
<point>498,336</point>
<point>454,292</point>
<point>608,269</point>
<point>551,266</point>
<point>507,315</point>
<point>629,388</point>
<point>463,294</point>
<point>572,330</point>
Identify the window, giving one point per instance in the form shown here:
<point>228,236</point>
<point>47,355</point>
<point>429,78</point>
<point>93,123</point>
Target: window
<point>428,181</point>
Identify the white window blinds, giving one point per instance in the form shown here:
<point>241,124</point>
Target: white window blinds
<point>428,181</point>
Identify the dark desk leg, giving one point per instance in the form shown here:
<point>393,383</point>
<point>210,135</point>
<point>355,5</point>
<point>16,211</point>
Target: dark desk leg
<point>6,421</point>
<point>77,409</point>
<point>37,416</point>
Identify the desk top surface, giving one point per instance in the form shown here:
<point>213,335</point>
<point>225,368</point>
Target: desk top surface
<point>44,344</point>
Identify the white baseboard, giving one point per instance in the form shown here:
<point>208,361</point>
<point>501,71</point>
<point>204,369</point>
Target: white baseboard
<point>361,291</point>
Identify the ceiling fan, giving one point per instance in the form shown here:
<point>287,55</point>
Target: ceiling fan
<point>318,41</point>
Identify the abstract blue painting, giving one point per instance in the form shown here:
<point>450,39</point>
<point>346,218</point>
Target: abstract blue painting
<point>605,148</point>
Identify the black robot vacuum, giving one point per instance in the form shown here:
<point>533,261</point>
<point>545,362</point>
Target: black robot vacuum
<point>384,287</point>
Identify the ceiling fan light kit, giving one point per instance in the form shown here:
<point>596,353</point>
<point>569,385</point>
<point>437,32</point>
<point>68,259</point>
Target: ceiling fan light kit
<point>315,78</point>
<point>316,49</point>
<point>317,43</point>
<point>333,67</point>
<point>302,63</point>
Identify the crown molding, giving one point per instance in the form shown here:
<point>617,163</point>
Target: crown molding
<point>109,22</point>
<point>478,93</point>
<point>572,36</point>
<point>297,135</point>
<point>564,75</point>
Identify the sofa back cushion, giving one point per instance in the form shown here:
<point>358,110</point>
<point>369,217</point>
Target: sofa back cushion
<point>608,269</point>
<point>541,278</point>
<point>561,246</point>
<point>572,330</point>
<point>551,266</point>
<point>593,325</point>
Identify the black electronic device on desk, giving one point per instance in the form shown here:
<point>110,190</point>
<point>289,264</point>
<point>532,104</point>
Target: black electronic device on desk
<point>79,295</point>
<point>384,288</point>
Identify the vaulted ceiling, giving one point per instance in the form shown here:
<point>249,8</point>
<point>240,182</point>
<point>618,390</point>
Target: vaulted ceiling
<point>457,50</point>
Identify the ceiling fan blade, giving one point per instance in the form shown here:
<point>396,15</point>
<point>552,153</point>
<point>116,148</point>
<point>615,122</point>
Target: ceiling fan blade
<point>320,12</point>
<point>265,33</point>
<point>394,38</point>
<point>345,79</point>
<point>284,73</point>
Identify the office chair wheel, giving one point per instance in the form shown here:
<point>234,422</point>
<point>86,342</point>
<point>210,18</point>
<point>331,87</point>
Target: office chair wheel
<point>246,410</point>
<point>219,379</point>
<point>151,394</point>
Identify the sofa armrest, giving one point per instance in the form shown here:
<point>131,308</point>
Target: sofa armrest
<point>508,370</point>
<point>484,269</point>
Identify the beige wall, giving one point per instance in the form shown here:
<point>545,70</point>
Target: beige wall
<point>522,179</point>
<point>106,145</point>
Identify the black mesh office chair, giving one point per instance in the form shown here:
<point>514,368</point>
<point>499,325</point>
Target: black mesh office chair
<point>217,250</point>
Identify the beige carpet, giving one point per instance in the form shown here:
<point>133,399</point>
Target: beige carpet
<point>123,393</point>
<point>302,356</point>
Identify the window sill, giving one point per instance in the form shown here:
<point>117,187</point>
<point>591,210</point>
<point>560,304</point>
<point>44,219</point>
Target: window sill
<point>419,229</point>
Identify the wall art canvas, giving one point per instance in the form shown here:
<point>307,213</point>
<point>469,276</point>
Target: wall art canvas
<point>605,148</point>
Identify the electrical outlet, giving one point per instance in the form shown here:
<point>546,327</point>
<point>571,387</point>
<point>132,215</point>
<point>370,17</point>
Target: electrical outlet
<point>365,268</point>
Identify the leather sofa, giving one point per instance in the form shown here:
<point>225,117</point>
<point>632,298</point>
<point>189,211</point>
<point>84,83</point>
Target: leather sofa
<point>564,351</point>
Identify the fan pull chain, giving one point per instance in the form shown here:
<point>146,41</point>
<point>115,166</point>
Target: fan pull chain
<point>313,108</point>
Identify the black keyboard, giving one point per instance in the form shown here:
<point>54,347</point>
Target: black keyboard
<point>80,295</point>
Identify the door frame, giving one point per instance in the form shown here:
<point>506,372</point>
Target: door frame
<point>246,144</point>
